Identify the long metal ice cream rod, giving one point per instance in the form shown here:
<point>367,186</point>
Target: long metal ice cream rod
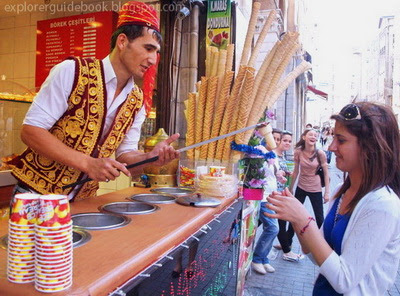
<point>261,124</point>
<point>155,158</point>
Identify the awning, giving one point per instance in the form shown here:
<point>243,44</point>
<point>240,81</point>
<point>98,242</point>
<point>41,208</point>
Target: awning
<point>317,92</point>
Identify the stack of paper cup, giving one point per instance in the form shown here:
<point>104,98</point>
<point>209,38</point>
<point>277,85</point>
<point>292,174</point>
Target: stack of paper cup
<point>21,238</point>
<point>217,171</point>
<point>53,243</point>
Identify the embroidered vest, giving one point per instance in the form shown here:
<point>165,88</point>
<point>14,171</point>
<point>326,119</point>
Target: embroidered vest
<point>79,128</point>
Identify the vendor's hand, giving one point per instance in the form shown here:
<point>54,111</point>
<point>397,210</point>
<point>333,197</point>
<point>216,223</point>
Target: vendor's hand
<point>326,197</point>
<point>286,207</point>
<point>164,151</point>
<point>105,169</point>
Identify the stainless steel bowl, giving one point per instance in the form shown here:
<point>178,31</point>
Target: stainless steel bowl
<point>80,237</point>
<point>128,208</point>
<point>153,198</point>
<point>99,221</point>
<point>174,191</point>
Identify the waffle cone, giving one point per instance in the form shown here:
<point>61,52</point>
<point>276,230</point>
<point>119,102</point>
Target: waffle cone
<point>221,62</point>
<point>236,91</point>
<point>208,60</point>
<point>229,57</point>
<point>267,78</point>
<point>282,56</point>
<point>221,69</point>
<point>304,66</point>
<point>267,25</point>
<point>190,119</point>
<point>208,114</point>
<point>250,33</point>
<point>200,107</point>
<point>226,152</point>
<point>229,113</point>
<point>245,103</point>
<point>263,68</point>
<point>293,46</point>
<point>214,62</point>
<point>219,113</point>
<point>198,83</point>
<point>266,132</point>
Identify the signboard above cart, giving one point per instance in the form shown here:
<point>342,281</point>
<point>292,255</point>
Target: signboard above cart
<point>218,23</point>
<point>85,35</point>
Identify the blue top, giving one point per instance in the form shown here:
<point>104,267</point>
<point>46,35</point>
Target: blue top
<point>334,237</point>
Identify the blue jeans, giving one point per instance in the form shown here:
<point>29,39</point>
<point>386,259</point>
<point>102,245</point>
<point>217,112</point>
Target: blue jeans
<point>270,231</point>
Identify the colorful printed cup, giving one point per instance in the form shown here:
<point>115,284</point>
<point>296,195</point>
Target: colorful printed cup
<point>217,171</point>
<point>54,211</point>
<point>24,208</point>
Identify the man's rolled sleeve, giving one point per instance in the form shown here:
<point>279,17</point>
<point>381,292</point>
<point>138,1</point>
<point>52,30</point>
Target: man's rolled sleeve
<point>51,101</point>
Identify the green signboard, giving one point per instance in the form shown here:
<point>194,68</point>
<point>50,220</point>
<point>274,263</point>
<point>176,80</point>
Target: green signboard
<point>218,23</point>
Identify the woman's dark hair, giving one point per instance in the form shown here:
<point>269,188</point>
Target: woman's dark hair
<point>132,32</point>
<point>378,136</point>
<point>301,143</point>
<point>285,132</point>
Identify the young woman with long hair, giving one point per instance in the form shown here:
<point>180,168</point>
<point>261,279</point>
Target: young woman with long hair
<point>358,247</point>
<point>307,158</point>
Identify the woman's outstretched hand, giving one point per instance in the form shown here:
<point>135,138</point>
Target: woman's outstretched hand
<point>286,207</point>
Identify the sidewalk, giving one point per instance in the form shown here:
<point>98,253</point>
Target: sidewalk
<point>295,278</point>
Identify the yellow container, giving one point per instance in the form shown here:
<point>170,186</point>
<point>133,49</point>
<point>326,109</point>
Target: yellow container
<point>168,169</point>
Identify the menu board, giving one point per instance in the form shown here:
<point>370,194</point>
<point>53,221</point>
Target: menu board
<point>85,35</point>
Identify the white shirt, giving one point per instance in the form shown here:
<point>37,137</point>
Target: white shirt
<point>51,102</point>
<point>370,248</point>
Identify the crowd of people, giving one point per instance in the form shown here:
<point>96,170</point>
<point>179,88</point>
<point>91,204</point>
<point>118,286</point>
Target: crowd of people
<point>356,243</point>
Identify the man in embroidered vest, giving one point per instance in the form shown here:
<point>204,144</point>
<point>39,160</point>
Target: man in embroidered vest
<point>87,109</point>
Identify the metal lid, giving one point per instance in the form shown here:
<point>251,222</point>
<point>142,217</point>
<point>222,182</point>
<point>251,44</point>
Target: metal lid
<point>128,208</point>
<point>196,200</point>
<point>153,198</point>
<point>99,221</point>
<point>174,191</point>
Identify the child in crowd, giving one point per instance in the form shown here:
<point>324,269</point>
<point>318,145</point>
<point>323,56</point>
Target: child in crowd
<point>285,244</point>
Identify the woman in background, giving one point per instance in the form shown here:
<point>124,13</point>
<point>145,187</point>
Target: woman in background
<point>326,140</point>
<point>285,245</point>
<point>306,157</point>
<point>358,247</point>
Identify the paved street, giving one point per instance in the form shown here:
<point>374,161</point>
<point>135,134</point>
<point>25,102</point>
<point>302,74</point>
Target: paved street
<point>295,278</point>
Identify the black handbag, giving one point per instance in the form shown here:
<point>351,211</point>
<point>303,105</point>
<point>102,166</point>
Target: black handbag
<point>320,171</point>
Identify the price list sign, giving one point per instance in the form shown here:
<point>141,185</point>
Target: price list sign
<point>85,35</point>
